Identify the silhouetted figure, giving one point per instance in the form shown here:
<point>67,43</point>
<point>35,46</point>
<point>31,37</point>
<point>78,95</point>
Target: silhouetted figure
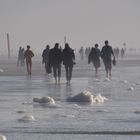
<point>28,56</point>
<point>81,51</point>
<point>106,53</point>
<point>22,57</point>
<point>94,57</point>
<point>55,59</point>
<point>87,51</point>
<point>45,59</point>
<point>68,61</point>
<point>97,50</point>
<point>116,52</point>
<point>122,53</point>
<point>19,61</point>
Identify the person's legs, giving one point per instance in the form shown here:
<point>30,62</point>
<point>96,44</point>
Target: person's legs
<point>22,62</point>
<point>54,73</point>
<point>95,66</point>
<point>30,67</point>
<point>59,72</point>
<point>70,72</point>
<point>46,67</point>
<point>109,69</point>
<point>106,67</point>
<point>96,71</point>
<point>110,74</point>
<point>27,66</point>
<point>19,61</point>
<point>67,74</point>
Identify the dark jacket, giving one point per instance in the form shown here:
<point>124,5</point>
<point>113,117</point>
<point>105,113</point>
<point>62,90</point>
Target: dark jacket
<point>68,56</point>
<point>93,56</point>
<point>45,55</point>
<point>106,53</point>
<point>55,56</point>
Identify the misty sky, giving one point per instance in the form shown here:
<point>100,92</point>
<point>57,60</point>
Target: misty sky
<point>83,22</point>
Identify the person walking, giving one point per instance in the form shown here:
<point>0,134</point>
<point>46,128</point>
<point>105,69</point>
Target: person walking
<point>28,56</point>
<point>81,51</point>
<point>19,61</point>
<point>106,54</point>
<point>55,60</point>
<point>45,59</point>
<point>68,61</point>
<point>22,57</point>
<point>94,57</point>
<point>122,53</point>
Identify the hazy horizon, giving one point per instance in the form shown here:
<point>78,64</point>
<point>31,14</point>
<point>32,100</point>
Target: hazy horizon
<point>83,22</point>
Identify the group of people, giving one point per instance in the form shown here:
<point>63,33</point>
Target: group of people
<point>53,58</point>
<point>119,52</point>
<point>106,54</point>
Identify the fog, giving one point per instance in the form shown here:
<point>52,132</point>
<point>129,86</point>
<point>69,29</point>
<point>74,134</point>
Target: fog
<point>83,22</point>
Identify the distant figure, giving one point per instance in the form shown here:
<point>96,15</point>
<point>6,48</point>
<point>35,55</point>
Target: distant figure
<point>116,52</point>
<point>68,61</point>
<point>87,51</point>
<point>55,59</point>
<point>22,57</point>
<point>81,51</point>
<point>45,59</point>
<point>19,61</point>
<point>28,56</point>
<point>122,53</point>
<point>106,53</point>
<point>94,57</point>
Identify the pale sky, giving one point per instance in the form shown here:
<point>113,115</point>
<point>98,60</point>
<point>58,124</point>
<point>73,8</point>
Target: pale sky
<point>83,22</point>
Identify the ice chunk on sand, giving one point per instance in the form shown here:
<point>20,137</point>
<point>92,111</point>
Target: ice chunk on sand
<point>2,137</point>
<point>27,118</point>
<point>131,88</point>
<point>99,98</point>
<point>46,100</point>
<point>87,97</point>
<point>124,81</point>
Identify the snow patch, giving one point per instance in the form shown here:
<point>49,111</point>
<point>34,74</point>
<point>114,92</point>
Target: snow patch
<point>87,97</point>
<point>45,100</point>
<point>125,81</point>
<point>130,88</point>
<point>2,137</point>
<point>27,118</point>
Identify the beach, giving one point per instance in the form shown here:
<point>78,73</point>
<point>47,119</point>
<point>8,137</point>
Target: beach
<point>117,118</point>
